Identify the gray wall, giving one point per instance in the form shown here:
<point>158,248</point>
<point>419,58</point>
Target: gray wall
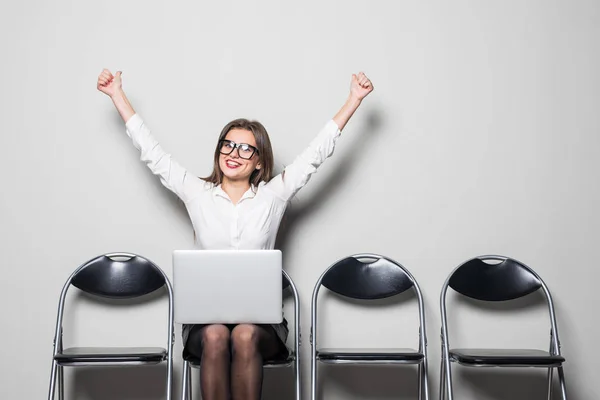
<point>481,137</point>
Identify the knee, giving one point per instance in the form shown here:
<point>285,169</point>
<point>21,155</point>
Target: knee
<point>245,340</point>
<point>215,341</point>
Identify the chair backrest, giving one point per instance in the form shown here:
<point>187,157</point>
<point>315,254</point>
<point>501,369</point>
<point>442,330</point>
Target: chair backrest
<point>285,281</point>
<point>368,276</point>
<point>116,276</point>
<point>494,278</point>
<point>505,280</point>
<point>119,276</point>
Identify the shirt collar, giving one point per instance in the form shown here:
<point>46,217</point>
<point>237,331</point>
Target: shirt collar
<point>249,194</point>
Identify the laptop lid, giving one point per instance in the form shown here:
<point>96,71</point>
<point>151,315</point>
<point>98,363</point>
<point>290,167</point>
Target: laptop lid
<point>227,286</point>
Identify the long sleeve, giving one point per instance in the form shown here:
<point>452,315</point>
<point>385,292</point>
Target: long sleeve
<point>172,175</point>
<point>297,174</point>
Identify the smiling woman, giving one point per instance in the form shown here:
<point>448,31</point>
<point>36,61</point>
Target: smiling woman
<point>239,206</point>
<point>253,160</point>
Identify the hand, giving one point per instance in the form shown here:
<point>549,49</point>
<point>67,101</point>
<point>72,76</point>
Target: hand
<point>360,86</point>
<point>108,83</point>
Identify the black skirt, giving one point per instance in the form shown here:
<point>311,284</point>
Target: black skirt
<point>280,330</point>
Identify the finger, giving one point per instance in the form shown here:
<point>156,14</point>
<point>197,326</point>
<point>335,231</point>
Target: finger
<point>106,75</point>
<point>102,81</point>
<point>118,74</point>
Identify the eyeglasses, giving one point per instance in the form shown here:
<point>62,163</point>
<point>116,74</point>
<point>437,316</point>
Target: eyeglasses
<point>245,150</point>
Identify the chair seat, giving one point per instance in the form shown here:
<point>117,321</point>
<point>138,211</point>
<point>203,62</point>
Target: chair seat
<point>369,355</point>
<point>111,355</point>
<point>283,362</point>
<point>505,357</point>
<point>277,362</point>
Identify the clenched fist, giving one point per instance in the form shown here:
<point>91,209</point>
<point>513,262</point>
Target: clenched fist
<point>108,83</point>
<point>360,86</point>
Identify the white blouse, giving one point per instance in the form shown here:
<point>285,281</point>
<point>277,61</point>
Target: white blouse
<point>253,222</point>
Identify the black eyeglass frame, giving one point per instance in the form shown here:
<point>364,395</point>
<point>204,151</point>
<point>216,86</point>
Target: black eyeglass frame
<point>233,145</point>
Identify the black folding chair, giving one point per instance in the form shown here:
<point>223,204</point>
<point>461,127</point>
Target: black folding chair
<point>495,278</point>
<point>115,276</point>
<point>292,360</point>
<point>369,277</point>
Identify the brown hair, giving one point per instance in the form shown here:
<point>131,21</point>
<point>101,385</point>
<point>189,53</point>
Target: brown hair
<point>263,144</point>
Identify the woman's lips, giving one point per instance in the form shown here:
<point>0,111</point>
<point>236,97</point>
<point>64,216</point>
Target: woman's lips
<point>232,164</point>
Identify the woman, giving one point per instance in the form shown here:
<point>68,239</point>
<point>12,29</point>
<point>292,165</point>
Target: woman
<point>239,206</point>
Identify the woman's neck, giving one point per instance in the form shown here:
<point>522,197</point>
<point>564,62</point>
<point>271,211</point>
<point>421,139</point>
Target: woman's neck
<point>235,189</point>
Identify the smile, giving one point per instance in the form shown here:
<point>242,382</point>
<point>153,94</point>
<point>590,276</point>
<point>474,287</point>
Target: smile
<point>232,164</point>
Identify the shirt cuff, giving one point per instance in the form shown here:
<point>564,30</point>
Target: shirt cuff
<point>333,126</point>
<point>133,121</point>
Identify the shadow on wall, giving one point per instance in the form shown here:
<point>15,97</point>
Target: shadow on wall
<point>344,165</point>
<point>503,383</point>
<point>279,384</point>
<point>144,382</point>
<point>369,382</point>
<point>174,201</point>
<point>506,384</point>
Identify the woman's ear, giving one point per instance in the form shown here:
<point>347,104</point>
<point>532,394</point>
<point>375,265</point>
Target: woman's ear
<point>258,166</point>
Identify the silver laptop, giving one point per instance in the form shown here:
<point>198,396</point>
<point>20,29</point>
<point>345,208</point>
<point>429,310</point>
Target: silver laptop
<point>227,286</point>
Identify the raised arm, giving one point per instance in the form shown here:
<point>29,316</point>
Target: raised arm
<point>172,175</point>
<point>297,174</point>
<point>360,87</point>
<point>111,85</point>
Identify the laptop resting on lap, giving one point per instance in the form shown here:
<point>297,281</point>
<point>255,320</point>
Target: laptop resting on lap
<point>227,286</point>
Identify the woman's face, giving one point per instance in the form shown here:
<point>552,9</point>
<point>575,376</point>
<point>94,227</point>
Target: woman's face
<point>242,160</point>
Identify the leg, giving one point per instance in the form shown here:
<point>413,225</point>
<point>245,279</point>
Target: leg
<point>189,383</point>
<point>61,383</point>
<point>211,344</point>
<point>420,382</point>
<point>185,382</point>
<point>550,371</point>
<point>52,380</point>
<point>561,378</point>
<point>425,378</point>
<point>250,345</point>
<point>442,380</point>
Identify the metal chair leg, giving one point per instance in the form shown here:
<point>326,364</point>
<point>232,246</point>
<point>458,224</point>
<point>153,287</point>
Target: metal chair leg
<point>550,374</point>
<point>442,380</point>
<point>61,383</point>
<point>189,382</point>
<point>52,380</point>
<point>420,381</point>
<point>313,383</point>
<point>297,373</point>
<point>425,379</point>
<point>448,368</point>
<point>184,382</point>
<point>561,378</point>
<point>170,376</point>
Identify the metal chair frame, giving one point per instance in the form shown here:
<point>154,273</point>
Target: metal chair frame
<point>422,364</point>
<point>446,391</point>
<point>57,366</point>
